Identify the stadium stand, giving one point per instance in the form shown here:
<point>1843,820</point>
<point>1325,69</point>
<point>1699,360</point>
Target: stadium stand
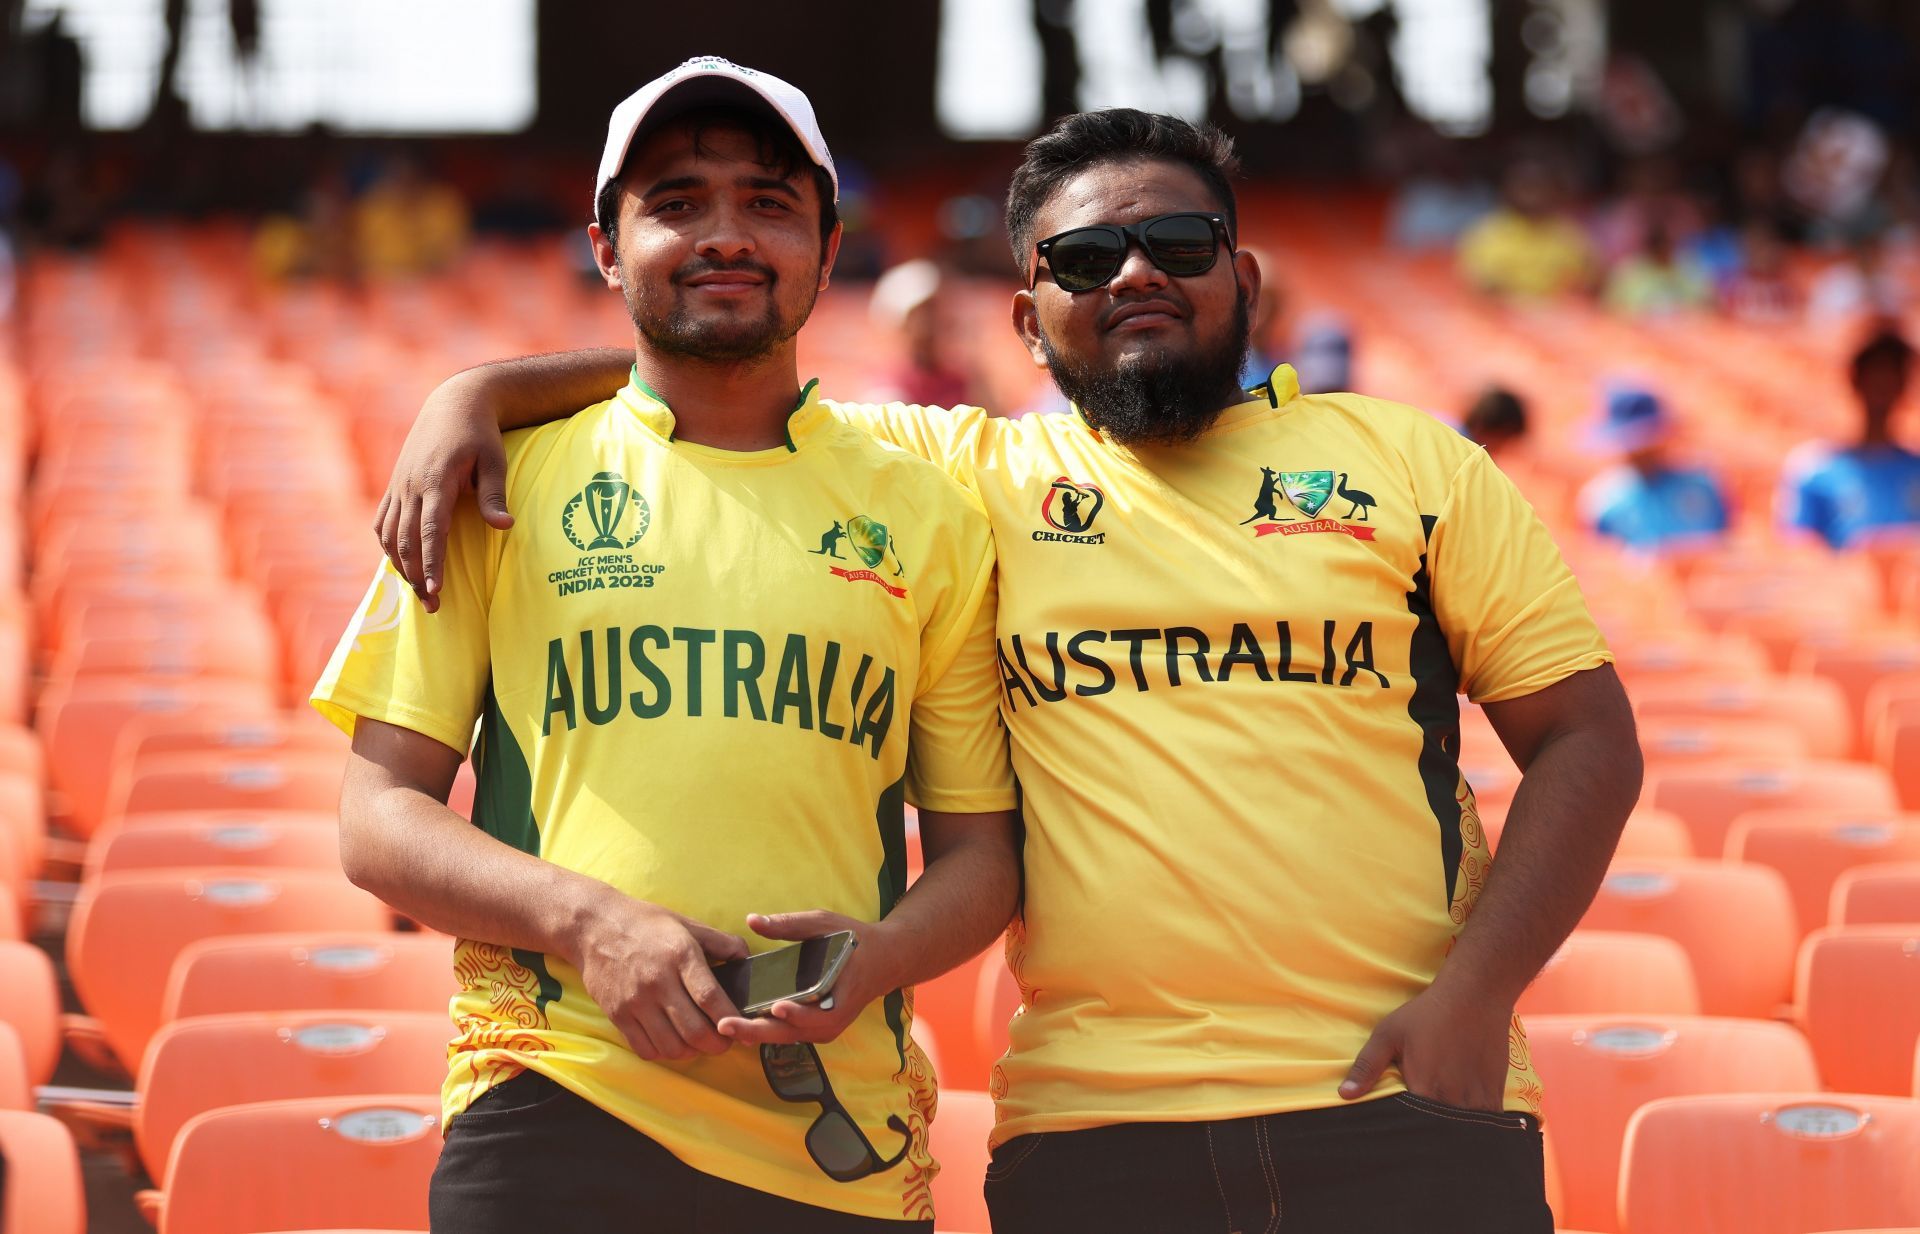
<point>195,531</point>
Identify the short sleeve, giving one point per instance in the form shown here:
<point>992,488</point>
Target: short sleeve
<point>403,666</point>
<point>1803,501</point>
<point>957,749</point>
<point>1513,616</point>
<point>949,438</point>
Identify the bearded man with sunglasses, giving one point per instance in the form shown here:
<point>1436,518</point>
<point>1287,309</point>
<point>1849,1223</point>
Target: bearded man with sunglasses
<point>1267,968</point>
<point>691,728</point>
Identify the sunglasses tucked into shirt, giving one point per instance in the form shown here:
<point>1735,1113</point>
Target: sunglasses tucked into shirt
<point>1087,258</point>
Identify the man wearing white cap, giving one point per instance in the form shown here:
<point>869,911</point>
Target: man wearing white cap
<point>697,725</point>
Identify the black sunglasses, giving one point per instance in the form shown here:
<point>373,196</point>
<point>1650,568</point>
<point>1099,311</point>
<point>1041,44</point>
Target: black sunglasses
<point>1085,258</point>
<point>835,1141</point>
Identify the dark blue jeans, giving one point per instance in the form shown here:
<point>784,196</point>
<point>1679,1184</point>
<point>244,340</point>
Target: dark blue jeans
<point>529,1155</point>
<point>1396,1165</point>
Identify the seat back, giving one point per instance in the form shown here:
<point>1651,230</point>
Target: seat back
<point>81,722</point>
<point>43,1194</point>
<point>959,1142</point>
<point>1857,995</point>
<point>31,1006</point>
<point>1771,1164</point>
<point>1736,923</point>
<point>1602,972</point>
<point>314,971</point>
<point>309,843</point>
<point>351,1162</point>
<point>1812,848</point>
<point>1597,1070</point>
<point>1876,895</point>
<point>128,928</point>
<point>1710,796</point>
<point>208,1062</point>
<point>272,780</point>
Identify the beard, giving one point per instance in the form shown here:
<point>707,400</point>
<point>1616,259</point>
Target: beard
<point>676,331</point>
<point>1160,399</point>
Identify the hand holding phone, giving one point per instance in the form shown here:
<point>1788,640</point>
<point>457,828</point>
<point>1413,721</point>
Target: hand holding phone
<point>802,973</point>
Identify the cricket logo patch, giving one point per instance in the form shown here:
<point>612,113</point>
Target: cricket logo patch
<point>1308,494</point>
<point>872,544</point>
<point>1070,508</point>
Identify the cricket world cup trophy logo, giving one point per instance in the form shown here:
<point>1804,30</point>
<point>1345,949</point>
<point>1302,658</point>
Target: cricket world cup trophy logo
<point>610,506</point>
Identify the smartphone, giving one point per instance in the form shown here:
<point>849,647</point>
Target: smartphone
<point>802,973</point>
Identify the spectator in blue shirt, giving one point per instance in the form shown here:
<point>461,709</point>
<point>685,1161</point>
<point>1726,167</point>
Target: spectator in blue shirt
<point>1645,500</point>
<point>1849,495</point>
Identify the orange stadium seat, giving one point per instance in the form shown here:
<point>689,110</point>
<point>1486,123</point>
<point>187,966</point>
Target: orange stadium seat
<point>1896,747</point>
<point>31,1006</point>
<point>959,1142</point>
<point>1710,796</point>
<point>293,780</point>
<point>1669,740</point>
<point>209,1062</point>
<point>1813,705</point>
<point>23,824</point>
<point>1886,894</point>
<point>1896,695</point>
<point>1858,665</point>
<point>1600,972</point>
<point>1736,923</point>
<point>246,650</point>
<point>43,1194</point>
<point>354,1162</point>
<point>128,928</point>
<point>1771,1164</point>
<point>1812,848</point>
<point>81,723</point>
<point>16,1090</point>
<point>1597,1070</point>
<point>334,970</point>
<point>310,842</point>
<point>300,729</point>
<point>948,1005</point>
<point>1857,994</point>
<point>1645,657</point>
<point>1647,833</point>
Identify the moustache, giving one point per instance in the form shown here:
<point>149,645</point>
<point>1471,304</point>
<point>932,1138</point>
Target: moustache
<point>694,269</point>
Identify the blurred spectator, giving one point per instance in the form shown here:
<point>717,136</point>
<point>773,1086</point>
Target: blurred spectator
<point>1646,500</point>
<point>1658,280</point>
<point>317,242</point>
<point>408,224</point>
<point>1529,247</point>
<point>1324,358</point>
<point>1497,421</point>
<point>1758,197</point>
<point>1761,290</point>
<point>7,277</point>
<point>1860,284</point>
<point>1651,200</point>
<point>66,207</point>
<point>1851,494</point>
<point>1439,198</point>
<point>908,306</point>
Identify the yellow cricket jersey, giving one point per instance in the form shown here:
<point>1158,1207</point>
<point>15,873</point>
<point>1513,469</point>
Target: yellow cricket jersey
<point>707,678</point>
<point>1229,671</point>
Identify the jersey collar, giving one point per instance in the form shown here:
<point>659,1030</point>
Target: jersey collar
<point>1281,387</point>
<point>806,418</point>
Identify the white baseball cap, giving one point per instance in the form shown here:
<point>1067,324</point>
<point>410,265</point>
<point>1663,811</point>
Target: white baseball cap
<point>706,81</point>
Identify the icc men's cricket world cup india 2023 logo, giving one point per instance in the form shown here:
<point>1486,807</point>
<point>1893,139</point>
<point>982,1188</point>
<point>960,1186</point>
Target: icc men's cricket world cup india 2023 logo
<point>606,501</point>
